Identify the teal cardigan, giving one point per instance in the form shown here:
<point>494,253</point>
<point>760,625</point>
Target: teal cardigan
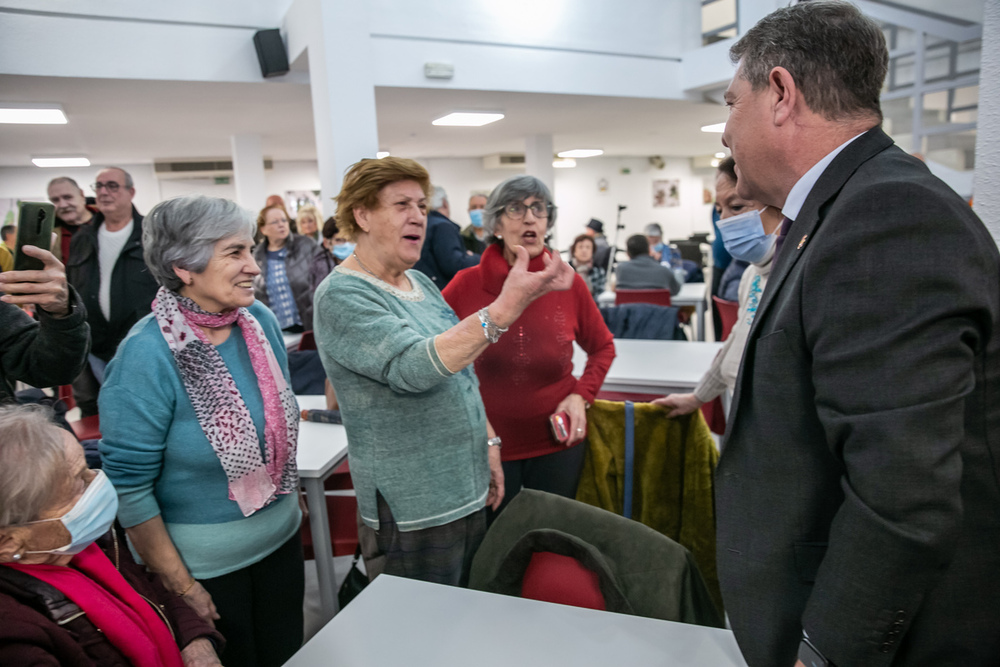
<point>416,431</point>
<point>155,453</point>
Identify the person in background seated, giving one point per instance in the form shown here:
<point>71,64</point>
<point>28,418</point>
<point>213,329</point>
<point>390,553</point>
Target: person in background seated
<point>602,251</point>
<point>753,244</point>
<point>582,259</point>
<point>307,220</point>
<point>424,460</point>
<point>70,591</point>
<point>474,236</point>
<point>200,430</point>
<point>528,375</point>
<point>286,261</point>
<point>52,350</point>
<point>8,237</point>
<point>443,253</point>
<point>642,271</point>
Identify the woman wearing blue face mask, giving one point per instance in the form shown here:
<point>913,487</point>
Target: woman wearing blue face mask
<point>336,248</point>
<point>474,236</point>
<point>70,592</point>
<point>749,237</point>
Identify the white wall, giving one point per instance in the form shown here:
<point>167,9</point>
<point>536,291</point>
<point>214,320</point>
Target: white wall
<point>30,183</point>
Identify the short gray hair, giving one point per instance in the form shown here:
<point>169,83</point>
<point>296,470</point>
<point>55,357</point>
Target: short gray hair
<point>129,183</point>
<point>32,462</point>
<point>836,55</point>
<point>182,232</point>
<point>653,229</point>
<point>515,189</point>
<point>438,197</point>
<point>63,179</point>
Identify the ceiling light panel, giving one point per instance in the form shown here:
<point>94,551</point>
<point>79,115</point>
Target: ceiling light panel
<point>60,161</point>
<point>468,119</point>
<point>581,152</point>
<point>718,127</point>
<point>32,114</point>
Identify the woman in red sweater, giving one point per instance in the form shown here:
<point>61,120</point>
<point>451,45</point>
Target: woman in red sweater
<point>527,375</point>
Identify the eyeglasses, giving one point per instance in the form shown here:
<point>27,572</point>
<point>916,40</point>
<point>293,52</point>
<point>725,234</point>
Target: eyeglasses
<point>110,186</point>
<point>275,223</point>
<point>517,210</point>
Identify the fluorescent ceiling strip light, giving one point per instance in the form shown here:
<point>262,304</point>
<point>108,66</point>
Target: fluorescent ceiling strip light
<point>468,119</point>
<point>720,155</point>
<point>382,154</point>
<point>718,127</point>
<point>60,161</point>
<point>582,152</point>
<point>32,114</point>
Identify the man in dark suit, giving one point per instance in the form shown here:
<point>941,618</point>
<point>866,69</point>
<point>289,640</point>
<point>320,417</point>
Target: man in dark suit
<point>858,492</point>
<point>641,271</point>
<point>443,253</point>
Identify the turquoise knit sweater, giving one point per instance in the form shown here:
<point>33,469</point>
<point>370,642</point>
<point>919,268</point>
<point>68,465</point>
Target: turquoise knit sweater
<point>416,432</point>
<point>161,463</point>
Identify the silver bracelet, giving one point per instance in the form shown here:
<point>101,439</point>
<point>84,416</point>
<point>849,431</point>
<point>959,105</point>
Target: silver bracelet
<point>490,328</point>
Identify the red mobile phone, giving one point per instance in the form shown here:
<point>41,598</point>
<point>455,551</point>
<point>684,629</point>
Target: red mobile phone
<point>559,422</point>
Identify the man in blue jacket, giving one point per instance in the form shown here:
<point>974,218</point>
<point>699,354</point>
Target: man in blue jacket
<point>444,253</point>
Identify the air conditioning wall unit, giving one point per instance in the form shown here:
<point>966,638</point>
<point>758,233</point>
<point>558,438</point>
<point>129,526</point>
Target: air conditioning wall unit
<point>504,161</point>
<point>202,168</point>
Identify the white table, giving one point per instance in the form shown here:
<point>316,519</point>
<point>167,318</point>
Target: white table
<point>653,366</point>
<point>292,341</point>
<point>691,294</point>
<point>322,447</point>
<point>399,621</point>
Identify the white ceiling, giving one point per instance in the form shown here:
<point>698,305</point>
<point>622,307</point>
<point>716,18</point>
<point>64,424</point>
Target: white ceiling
<point>130,121</point>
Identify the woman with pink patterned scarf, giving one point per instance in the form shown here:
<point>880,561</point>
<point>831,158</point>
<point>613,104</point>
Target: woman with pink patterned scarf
<point>200,429</point>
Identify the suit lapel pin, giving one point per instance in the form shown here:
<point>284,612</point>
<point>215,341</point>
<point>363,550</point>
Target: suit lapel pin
<point>802,242</point>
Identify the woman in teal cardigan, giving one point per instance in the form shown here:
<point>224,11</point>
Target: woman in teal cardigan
<point>200,431</point>
<point>424,460</point>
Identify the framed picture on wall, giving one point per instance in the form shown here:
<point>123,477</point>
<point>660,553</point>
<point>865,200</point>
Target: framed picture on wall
<point>296,199</point>
<point>666,193</point>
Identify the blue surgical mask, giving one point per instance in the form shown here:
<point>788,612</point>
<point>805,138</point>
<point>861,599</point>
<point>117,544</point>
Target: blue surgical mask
<point>343,251</point>
<point>89,518</point>
<point>744,237</point>
<point>476,216</point>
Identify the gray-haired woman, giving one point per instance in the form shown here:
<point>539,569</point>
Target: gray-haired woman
<point>200,429</point>
<point>527,377</point>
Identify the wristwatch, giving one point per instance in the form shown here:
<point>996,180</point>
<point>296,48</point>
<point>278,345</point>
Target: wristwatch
<point>494,441</point>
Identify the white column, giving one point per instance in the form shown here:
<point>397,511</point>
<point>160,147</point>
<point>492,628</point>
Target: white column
<point>986,189</point>
<point>248,171</point>
<point>342,85</point>
<point>538,163</point>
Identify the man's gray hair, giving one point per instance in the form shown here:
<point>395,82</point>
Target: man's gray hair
<point>129,183</point>
<point>32,462</point>
<point>515,189</point>
<point>836,55</point>
<point>63,179</point>
<point>182,232</point>
<point>438,197</point>
<point>653,229</point>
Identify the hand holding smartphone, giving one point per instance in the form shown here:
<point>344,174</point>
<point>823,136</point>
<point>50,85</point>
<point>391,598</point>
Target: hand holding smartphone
<point>559,423</point>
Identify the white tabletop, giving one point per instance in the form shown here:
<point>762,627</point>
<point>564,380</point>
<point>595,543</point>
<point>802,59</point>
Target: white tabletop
<point>399,621</point>
<point>653,365</point>
<point>690,294</point>
<point>321,446</point>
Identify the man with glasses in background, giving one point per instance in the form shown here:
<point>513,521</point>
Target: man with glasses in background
<point>107,268</point>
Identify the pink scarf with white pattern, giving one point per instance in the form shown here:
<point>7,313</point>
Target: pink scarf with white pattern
<point>222,412</point>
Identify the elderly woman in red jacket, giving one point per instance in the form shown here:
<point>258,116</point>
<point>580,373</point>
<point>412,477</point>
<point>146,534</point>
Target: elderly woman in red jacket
<point>70,592</point>
<point>527,377</point>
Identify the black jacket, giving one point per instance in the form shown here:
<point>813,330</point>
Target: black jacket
<point>858,493</point>
<point>132,285</point>
<point>45,353</point>
<point>443,254</point>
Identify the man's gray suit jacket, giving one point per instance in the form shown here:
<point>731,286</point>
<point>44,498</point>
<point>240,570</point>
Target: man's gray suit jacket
<point>857,492</point>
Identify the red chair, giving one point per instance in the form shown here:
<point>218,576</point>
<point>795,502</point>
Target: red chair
<point>658,297</point>
<point>341,510</point>
<point>552,577</point>
<point>728,312</point>
<point>88,428</point>
<point>308,341</point>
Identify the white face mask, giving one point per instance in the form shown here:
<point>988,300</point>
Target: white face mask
<point>89,518</point>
